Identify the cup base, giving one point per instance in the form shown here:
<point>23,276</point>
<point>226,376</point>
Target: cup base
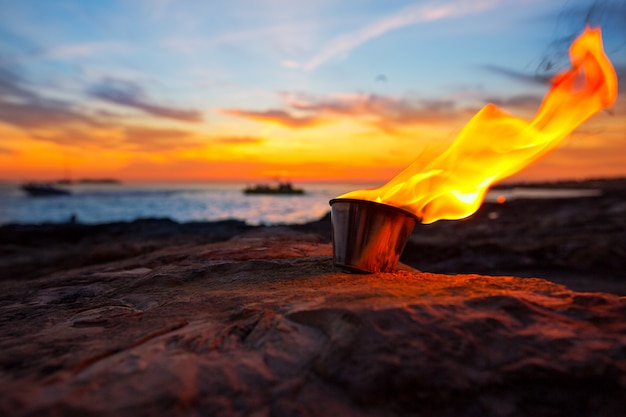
<point>368,237</point>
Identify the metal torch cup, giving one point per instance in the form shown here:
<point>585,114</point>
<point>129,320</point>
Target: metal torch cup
<point>367,236</point>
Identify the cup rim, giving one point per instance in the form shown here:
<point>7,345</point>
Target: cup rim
<point>377,204</point>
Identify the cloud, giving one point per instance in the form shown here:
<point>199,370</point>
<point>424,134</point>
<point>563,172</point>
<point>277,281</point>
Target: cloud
<point>76,136</point>
<point>535,79</point>
<point>68,52</point>
<point>277,116</point>
<point>6,151</point>
<point>239,140</point>
<point>545,79</point>
<point>46,119</point>
<point>407,16</point>
<point>19,106</point>
<point>193,45</point>
<point>10,86</point>
<point>389,114</point>
<point>278,35</point>
<point>134,138</point>
<point>524,101</point>
<point>159,139</point>
<point>385,112</point>
<point>66,124</point>
<point>42,113</point>
<point>129,94</point>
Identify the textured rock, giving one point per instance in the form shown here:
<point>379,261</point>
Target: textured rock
<point>263,324</point>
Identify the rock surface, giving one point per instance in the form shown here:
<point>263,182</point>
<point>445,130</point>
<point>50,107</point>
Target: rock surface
<point>263,324</point>
<point>579,242</point>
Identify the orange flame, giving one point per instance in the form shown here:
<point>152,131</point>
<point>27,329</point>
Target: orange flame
<point>495,145</point>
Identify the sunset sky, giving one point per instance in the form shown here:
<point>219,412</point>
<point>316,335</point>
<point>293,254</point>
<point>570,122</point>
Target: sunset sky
<point>326,90</point>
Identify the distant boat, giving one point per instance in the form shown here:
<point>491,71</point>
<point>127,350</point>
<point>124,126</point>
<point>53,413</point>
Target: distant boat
<point>111,181</point>
<point>283,188</point>
<point>37,189</point>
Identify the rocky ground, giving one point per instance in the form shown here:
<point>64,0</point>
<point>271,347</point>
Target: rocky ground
<point>578,242</point>
<point>263,324</point>
<point>159,318</point>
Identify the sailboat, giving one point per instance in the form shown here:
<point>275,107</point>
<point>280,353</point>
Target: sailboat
<point>49,189</point>
<point>43,189</point>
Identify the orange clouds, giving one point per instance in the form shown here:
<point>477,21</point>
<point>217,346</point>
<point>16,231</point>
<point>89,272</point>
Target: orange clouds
<point>385,113</point>
<point>342,136</point>
<point>238,140</point>
<point>21,106</point>
<point>276,116</point>
<point>70,124</point>
<point>158,139</point>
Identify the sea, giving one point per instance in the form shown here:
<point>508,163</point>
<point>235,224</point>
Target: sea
<point>94,203</point>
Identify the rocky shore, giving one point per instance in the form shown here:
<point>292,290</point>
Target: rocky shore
<point>152,318</point>
<point>579,242</point>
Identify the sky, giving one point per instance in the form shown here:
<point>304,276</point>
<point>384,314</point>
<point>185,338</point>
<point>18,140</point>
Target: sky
<point>251,90</point>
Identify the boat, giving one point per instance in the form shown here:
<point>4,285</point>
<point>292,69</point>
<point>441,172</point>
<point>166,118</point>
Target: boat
<point>108,181</point>
<point>283,188</point>
<point>37,189</point>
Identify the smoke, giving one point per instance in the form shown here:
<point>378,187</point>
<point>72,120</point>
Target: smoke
<point>610,15</point>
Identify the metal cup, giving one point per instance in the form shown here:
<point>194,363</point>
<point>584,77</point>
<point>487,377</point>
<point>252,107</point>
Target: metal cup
<point>369,236</point>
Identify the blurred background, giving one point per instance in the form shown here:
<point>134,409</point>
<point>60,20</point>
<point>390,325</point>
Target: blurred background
<point>178,105</point>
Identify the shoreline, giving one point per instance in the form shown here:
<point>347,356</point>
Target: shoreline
<point>579,242</point>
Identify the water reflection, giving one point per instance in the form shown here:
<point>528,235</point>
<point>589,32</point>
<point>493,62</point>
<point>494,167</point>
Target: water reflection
<point>202,202</point>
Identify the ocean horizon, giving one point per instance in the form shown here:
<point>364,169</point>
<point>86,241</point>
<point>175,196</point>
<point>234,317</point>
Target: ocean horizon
<point>95,203</point>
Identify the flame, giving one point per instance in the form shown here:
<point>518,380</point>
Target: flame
<point>495,145</point>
